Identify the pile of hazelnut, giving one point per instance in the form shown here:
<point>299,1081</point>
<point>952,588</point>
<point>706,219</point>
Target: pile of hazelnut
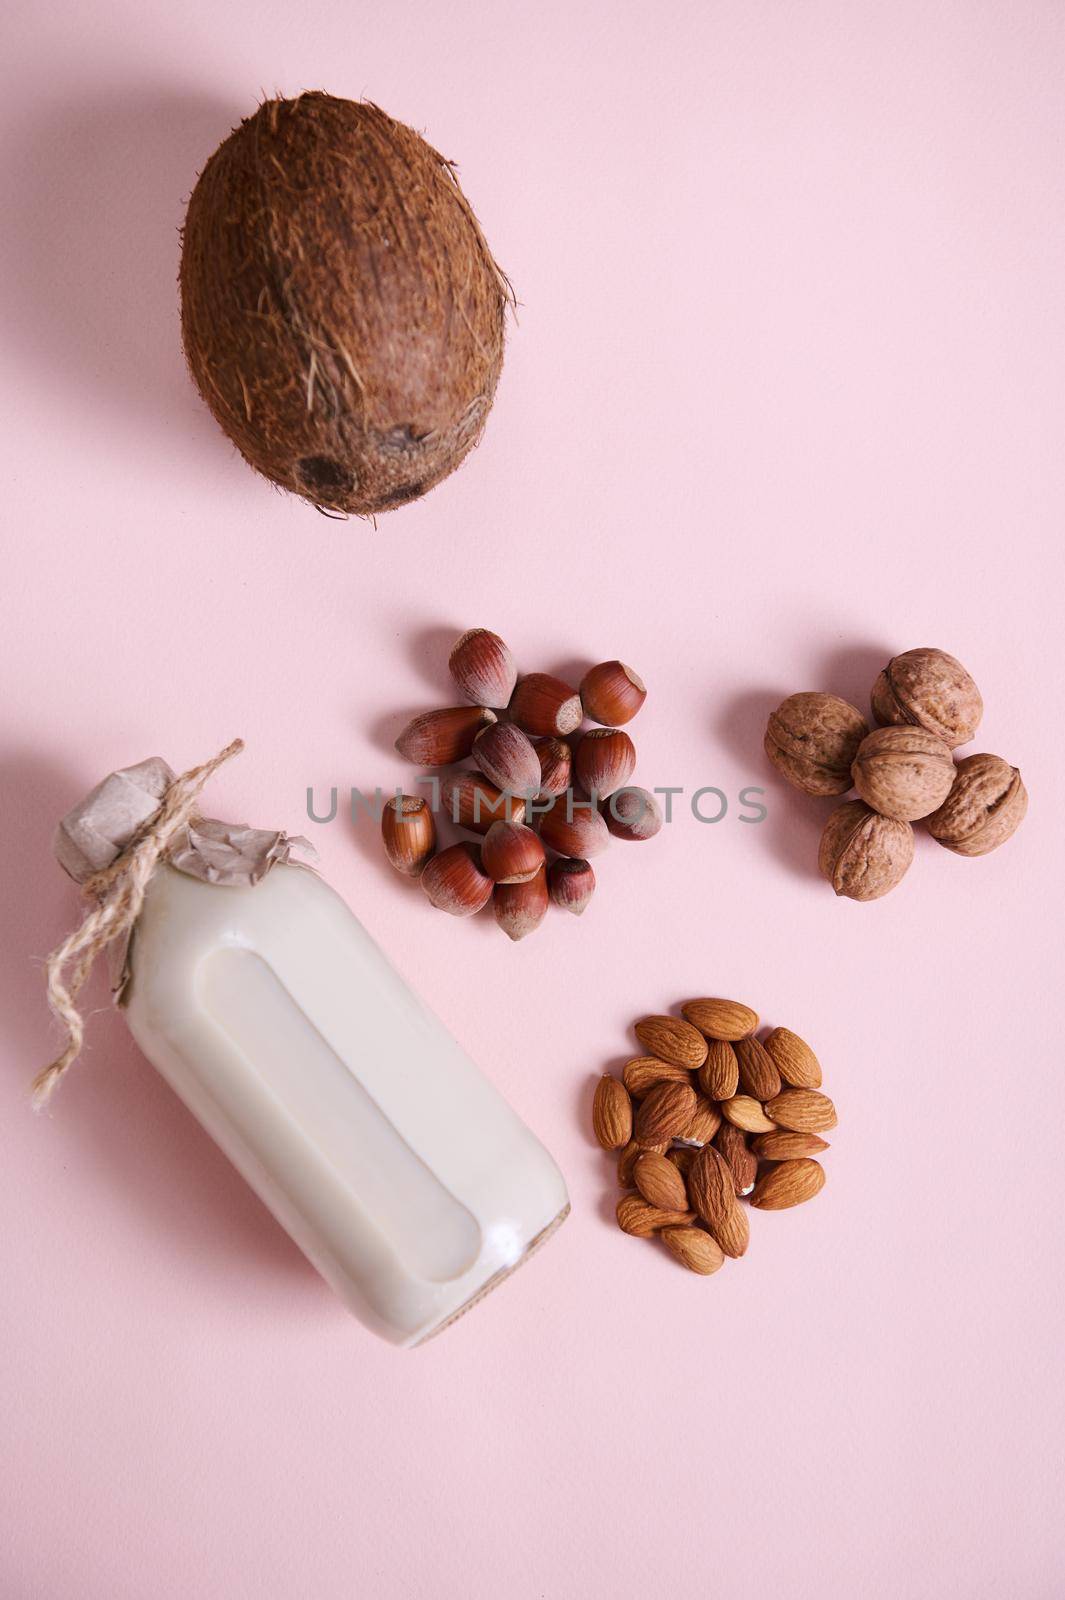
<point>904,771</point>
<point>543,795</point>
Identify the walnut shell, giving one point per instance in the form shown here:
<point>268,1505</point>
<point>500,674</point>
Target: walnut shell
<point>904,773</point>
<point>931,690</point>
<point>812,739</point>
<point>985,806</point>
<point>864,855</point>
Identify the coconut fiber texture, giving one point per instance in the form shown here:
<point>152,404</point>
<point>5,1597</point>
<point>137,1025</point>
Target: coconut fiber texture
<point>342,315</point>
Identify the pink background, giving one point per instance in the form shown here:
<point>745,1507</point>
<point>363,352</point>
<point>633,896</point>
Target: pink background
<point>784,398</point>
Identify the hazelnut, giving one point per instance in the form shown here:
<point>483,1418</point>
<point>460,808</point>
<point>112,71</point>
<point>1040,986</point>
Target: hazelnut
<point>612,693</point>
<point>473,802</point>
<point>455,881</point>
<point>633,813</point>
<point>556,765</point>
<point>571,883</point>
<point>520,907</point>
<point>437,738</point>
<point>409,833</point>
<point>545,706</point>
<point>931,690</point>
<point>985,806</point>
<point>903,772</point>
<point>604,761</point>
<point>573,828</point>
<point>812,739</point>
<point>483,667</point>
<point>864,855</point>
<point>506,757</point>
<point>511,852</point>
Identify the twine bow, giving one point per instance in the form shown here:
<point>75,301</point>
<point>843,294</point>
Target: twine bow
<point>119,891</point>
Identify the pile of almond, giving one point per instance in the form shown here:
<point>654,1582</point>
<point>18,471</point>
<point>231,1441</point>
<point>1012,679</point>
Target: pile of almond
<point>542,794</point>
<point>710,1116</point>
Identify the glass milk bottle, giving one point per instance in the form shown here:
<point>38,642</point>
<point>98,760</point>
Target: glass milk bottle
<point>394,1164</point>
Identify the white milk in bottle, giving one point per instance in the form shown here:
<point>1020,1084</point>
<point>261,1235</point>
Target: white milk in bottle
<point>394,1164</point>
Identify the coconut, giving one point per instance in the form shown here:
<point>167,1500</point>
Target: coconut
<point>341,312</point>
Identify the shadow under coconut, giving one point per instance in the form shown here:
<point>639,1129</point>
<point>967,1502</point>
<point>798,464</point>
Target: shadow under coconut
<point>94,195</point>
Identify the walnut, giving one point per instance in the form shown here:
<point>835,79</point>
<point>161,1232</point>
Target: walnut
<point>985,806</point>
<point>812,740</point>
<point>931,690</point>
<point>864,855</point>
<point>903,773</point>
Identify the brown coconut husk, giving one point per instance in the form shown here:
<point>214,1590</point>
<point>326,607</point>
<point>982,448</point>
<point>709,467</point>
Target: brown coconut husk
<point>342,315</point>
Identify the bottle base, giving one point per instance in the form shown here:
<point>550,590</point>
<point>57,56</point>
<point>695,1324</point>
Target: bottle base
<point>496,1278</point>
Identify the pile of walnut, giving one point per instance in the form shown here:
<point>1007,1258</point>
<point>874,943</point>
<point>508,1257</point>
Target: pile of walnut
<point>712,1115</point>
<point>927,705</point>
<point>543,795</point>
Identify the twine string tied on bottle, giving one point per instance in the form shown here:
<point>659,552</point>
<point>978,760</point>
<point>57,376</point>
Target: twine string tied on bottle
<point>117,895</point>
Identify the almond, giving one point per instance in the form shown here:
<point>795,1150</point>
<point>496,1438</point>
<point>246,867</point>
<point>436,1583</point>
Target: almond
<point>745,1113</point>
<point>644,1072</point>
<point>731,1144</point>
<point>794,1060</point>
<point>694,1249</point>
<point>802,1110</point>
<point>758,1073</point>
<point>721,1019</point>
<point>637,1217</point>
<point>713,1196</point>
<point>626,1162</point>
<point>660,1183</point>
<point>682,1157</point>
<point>611,1113</point>
<point>788,1183</point>
<point>719,1075</point>
<point>664,1112</point>
<point>672,1040</point>
<point>713,1121</point>
<point>786,1146</point>
<point>705,1121</point>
